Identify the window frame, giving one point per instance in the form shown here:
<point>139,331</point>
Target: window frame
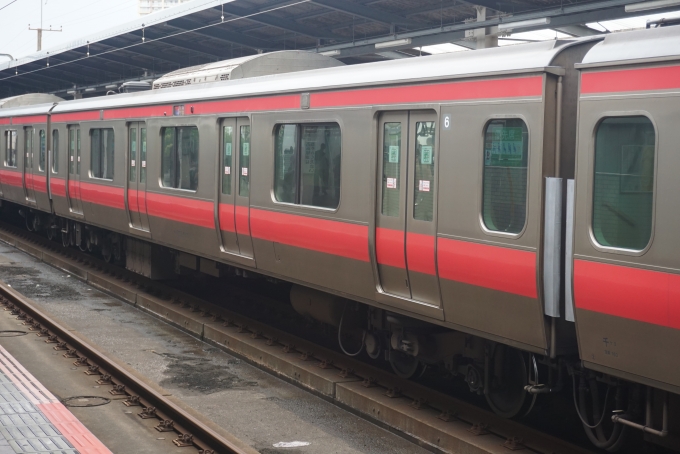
<point>54,165</point>
<point>42,133</point>
<point>79,139</point>
<point>161,130</point>
<point>591,182</point>
<point>299,123</point>
<point>482,224</point>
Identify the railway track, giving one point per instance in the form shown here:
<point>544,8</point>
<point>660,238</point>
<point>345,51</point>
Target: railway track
<point>189,430</point>
<point>429,418</point>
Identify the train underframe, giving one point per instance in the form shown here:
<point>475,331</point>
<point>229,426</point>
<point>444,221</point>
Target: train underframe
<point>511,380</point>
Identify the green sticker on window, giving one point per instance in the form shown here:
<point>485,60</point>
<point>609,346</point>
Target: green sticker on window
<point>227,149</point>
<point>246,149</point>
<point>504,146</point>
<point>394,154</point>
<point>426,154</point>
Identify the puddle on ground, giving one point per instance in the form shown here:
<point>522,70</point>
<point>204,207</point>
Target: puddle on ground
<point>28,281</point>
<point>200,374</point>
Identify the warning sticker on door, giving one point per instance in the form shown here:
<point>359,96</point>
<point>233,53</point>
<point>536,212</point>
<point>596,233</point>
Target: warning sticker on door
<point>391,183</point>
<point>244,171</point>
<point>424,185</point>
<point>143,163</point>
<point>227,170</point>
<point>132,163</point>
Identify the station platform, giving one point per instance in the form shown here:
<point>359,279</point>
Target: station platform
<point>33,420</point>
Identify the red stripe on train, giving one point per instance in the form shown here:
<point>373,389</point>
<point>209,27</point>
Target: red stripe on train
<point>132,200</point>
<point>29,119</point>
<point>632,293</point>
<point>58,186</point>
<point>390,247</point>
<point>180,209</point>
<point>201,108</point>
<point>110,196</point>
<point>420,253</point>
<point>76,116</point>
<point>226,215</point>
<point>11,177</point>
<point>4,121</point>
<point>498,268</point>
<point>451,91</point>
<point>39,183</point>
<point>321,235</point>
<point>659,78</point>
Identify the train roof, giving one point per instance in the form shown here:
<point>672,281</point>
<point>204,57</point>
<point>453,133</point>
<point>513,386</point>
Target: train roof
<point>638,46</point>
<point>507,60</point>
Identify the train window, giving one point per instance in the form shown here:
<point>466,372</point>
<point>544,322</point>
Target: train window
<point>133,155</point>
<point>423,191</point>
<point>71,151</point>
<point>179,160</point>
<point>307,164</point>
<point>43,150</point>
<point>28,148</point>
<point>227,153</point>
<point>78,151</point>
<point>55,151</point>
<point>142,155</point>
<point>11,148</point>
<point>504,192</point>
<point>623,189</point>
<point>244,162</point>
<point>286,164</point>
<point>391,169</point>
<point>102,153</point>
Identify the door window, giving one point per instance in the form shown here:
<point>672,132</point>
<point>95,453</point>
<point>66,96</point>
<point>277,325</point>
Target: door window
<point>55,151</point>
<point>391,169</point>
<point>623,189</point>
<point>142,155</point>
<point>43,150</point>
<point>71,151</point>
<point>244,162</point>
<point>423,191</point>
<point>504,192</point>
<point>133,155</point>
<point>28,148</point>
<point>227,153</point>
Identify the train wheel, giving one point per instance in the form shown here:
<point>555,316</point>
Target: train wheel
<point>599,428</point>
<point>51,233</point>
<point>507,376</point>
<point>405,366</point>
<point>29,221</point>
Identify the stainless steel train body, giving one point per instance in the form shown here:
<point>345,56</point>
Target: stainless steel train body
<point>433,190</point>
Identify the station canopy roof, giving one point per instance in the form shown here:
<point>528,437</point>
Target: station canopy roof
<point>353,31</point>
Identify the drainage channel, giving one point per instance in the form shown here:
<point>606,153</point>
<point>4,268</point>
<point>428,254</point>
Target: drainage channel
<point>427,417</point>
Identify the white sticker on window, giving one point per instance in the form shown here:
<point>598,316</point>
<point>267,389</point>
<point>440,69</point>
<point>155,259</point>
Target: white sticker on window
<point>71,158</point>
<point>391,183</point>
<point>426,154</point>
<point>132,163</point>
<point>227,149</point>
<point>227,170</point>
<point>424,185</point>
<point>393,154</point>
<point>246,149</point>
<point>78,158</point>
<point>244,171</point>
<point>143,163</point>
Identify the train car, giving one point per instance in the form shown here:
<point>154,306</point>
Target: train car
<point>625,258</point>
<point>420,206</point>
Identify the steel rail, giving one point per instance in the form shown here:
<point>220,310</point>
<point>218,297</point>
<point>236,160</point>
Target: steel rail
<point>190,429</point>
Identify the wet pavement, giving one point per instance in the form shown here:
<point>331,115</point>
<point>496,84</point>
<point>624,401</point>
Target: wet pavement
<point>263,411</point>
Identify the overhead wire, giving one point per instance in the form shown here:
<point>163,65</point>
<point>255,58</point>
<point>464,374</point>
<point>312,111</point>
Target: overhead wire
<point>157,39</point>
<point>13,1</point>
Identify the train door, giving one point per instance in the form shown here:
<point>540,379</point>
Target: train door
<point>405,227</point>
<point>29,190</point>
<point>136,192</point>
<point>225,209</point>
<point>242,193</point>
<point>73,183</point>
